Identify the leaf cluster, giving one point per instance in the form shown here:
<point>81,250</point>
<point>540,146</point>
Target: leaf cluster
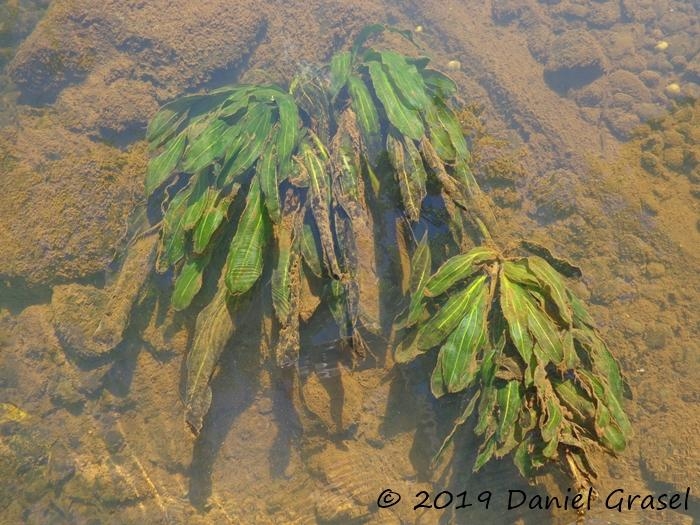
<point>259,173</point>
<point>522,347</point>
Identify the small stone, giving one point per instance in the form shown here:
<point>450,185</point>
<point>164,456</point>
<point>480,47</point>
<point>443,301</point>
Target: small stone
<point>679,62</point>
<point>656,337</point>
<point>66,395</point>
<point>674,158</point>
<point>454,65</point>
<point>650,78</point>
<point>649,111</point>
<point>651,164</point>
<point>634,327</point>
<point>655,269</point>
<point>114,441</point>
<point>673,89</point>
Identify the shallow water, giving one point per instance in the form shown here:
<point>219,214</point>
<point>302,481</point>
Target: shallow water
<point>560,92</point>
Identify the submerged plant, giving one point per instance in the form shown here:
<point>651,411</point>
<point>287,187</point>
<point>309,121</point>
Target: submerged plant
<point>261,173</point>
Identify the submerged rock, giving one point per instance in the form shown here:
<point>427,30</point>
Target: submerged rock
<point>175,44</point>
<point>64,201</point>
<point>574,59</point>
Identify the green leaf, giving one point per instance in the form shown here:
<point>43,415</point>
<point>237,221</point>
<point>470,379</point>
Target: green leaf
<point>439,137</point>
<point>458,268</point>
<point>415,165</point>
<point>407,349</point>
<point>581,317</point>
<point>433,332</point>
<point>457,358</point>
<point>552,282</point>
<point>406,78</point>
<point>364,34</point>
<point>551,450</point>
<point>451,125</point>
<point>347,166</point>
<point>548,344</point>
<point>172,242</point>
<point>420,272</point>
<point>310,251</point>
<point>487,404</point>
<point>211,220</point>
<point>320,201</point>
<point>554,417</point>
<point>245,257</point>
<point>517,271</point>
<point>606,397</point>
<point>189,282</point>
<point>614,439</point>
<point>312,98</point>
<point>340,71</point>
<point>209,146</point>
<point>439,83</point>
<point>280,284</point>
<point>367,116</point>
<point>412,191</point>
<point>255,132</point>
<point>166,123</point>
<point>213,329</point>
<point>161,167</point>
<point>198,201</point>
<point>485,453</point>
<point>338,305</point>
<point>562,266</point>
<point>522,458</point>
<point>509,399</point>
<point>571,359</point>
<point>513,302</point>
<point>267,175</point>
<point>575,400</point>
<point>238,101</point>
<point>288,136</point>
<point>404,119</point>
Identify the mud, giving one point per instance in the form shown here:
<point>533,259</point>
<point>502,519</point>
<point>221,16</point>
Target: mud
<point>106,435</point>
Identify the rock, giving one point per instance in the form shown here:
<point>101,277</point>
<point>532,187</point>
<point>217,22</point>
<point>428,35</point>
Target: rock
<point>651,164</point>
<point>679,62</point>
<point>176,43</point>
<point>648,111</point>
<point>77,311</point>
<point>507,11</point>
<point>656,336</point>
<point>554,195</point>
<point>603,15</point>
<point>64,201</point>
<point>655,270</point>
<point>628,83</point>
<point>619,43</point>
<point>674,158</point>
<point>633,249</point>
<point>64,394</point>
<point>650,78</point>
<point>641,10</point>
<point>592,95</point>
<point>629,105</point>
<point>115,110</point>
<point>621,122</point>
<point>574,59</point>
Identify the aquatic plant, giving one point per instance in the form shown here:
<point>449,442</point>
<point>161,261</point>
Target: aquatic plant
<point>265,173</point>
